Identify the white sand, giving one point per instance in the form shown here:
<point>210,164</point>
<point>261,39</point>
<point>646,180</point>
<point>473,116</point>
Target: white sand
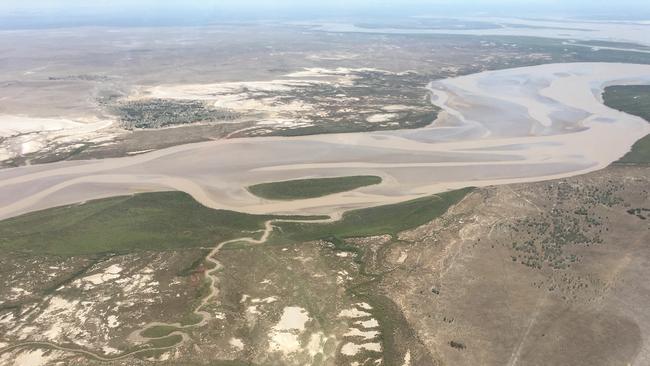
<point>25,135</point>
<point>15,125</point>
<point>368,334</point>
<point>407,359</point>
<point>372,323</point>
<point>110,350</point>
<point>353,313</point>
<point>293,318</point>
<point>396,108</point>
<point>255,96</point>
<point>402,257</point>
<point>113,321</point>
<point>229,92</point>
<point>266,300</point>
<point>36,357</point>
<point>285,335</point>
<point>322,72</point>
<point>7,318</point>
<point>108,274</point>
<point>316,343</point>
<point>381,117</point>
<point>284,342</point>
<point>351,349</point>
<point>17,293</point>
<point>236,343</point>
<point>364,305</point>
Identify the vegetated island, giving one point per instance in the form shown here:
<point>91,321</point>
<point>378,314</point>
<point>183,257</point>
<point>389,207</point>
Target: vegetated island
<point>311,188</point>
<point>635,100</point>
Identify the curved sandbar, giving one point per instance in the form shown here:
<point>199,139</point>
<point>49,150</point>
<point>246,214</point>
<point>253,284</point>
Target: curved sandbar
<point>515,125</point>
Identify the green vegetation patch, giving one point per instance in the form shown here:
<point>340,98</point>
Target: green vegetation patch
<point>174,220</point>
<point>149,221</point>
<point>640,153</point>
<point>158,331</point>
<point>387,219</point>
<point>166,342</point>
<point>310,188</point>
<point>632,99</point>
<point>635,100</point>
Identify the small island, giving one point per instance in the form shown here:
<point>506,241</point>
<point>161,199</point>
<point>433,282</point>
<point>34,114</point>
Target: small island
<point>311,188</point>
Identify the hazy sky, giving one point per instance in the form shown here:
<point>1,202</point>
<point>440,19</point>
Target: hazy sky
<point>7,4</point>
<point>34,12</point>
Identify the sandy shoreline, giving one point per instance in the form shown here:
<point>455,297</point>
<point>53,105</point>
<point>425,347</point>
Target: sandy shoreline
<point>551,113</point>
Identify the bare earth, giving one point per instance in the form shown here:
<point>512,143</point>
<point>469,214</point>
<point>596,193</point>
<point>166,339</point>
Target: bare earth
<point>546,273</point>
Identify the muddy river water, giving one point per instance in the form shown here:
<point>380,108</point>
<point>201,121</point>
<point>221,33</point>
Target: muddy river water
<point>515,125</point>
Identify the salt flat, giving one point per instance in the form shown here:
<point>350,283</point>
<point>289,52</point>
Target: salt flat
<point>22,135</point>
<point>608,31</point>
<point>516,125</point>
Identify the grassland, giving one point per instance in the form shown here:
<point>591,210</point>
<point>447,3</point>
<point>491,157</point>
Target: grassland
<point>387,219</point>
<point>310,188</point>
<point>158,331</point>
<point>166,341</point>
<point>632,99</point>
<point>173,220</point>
<point>151,221</point>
